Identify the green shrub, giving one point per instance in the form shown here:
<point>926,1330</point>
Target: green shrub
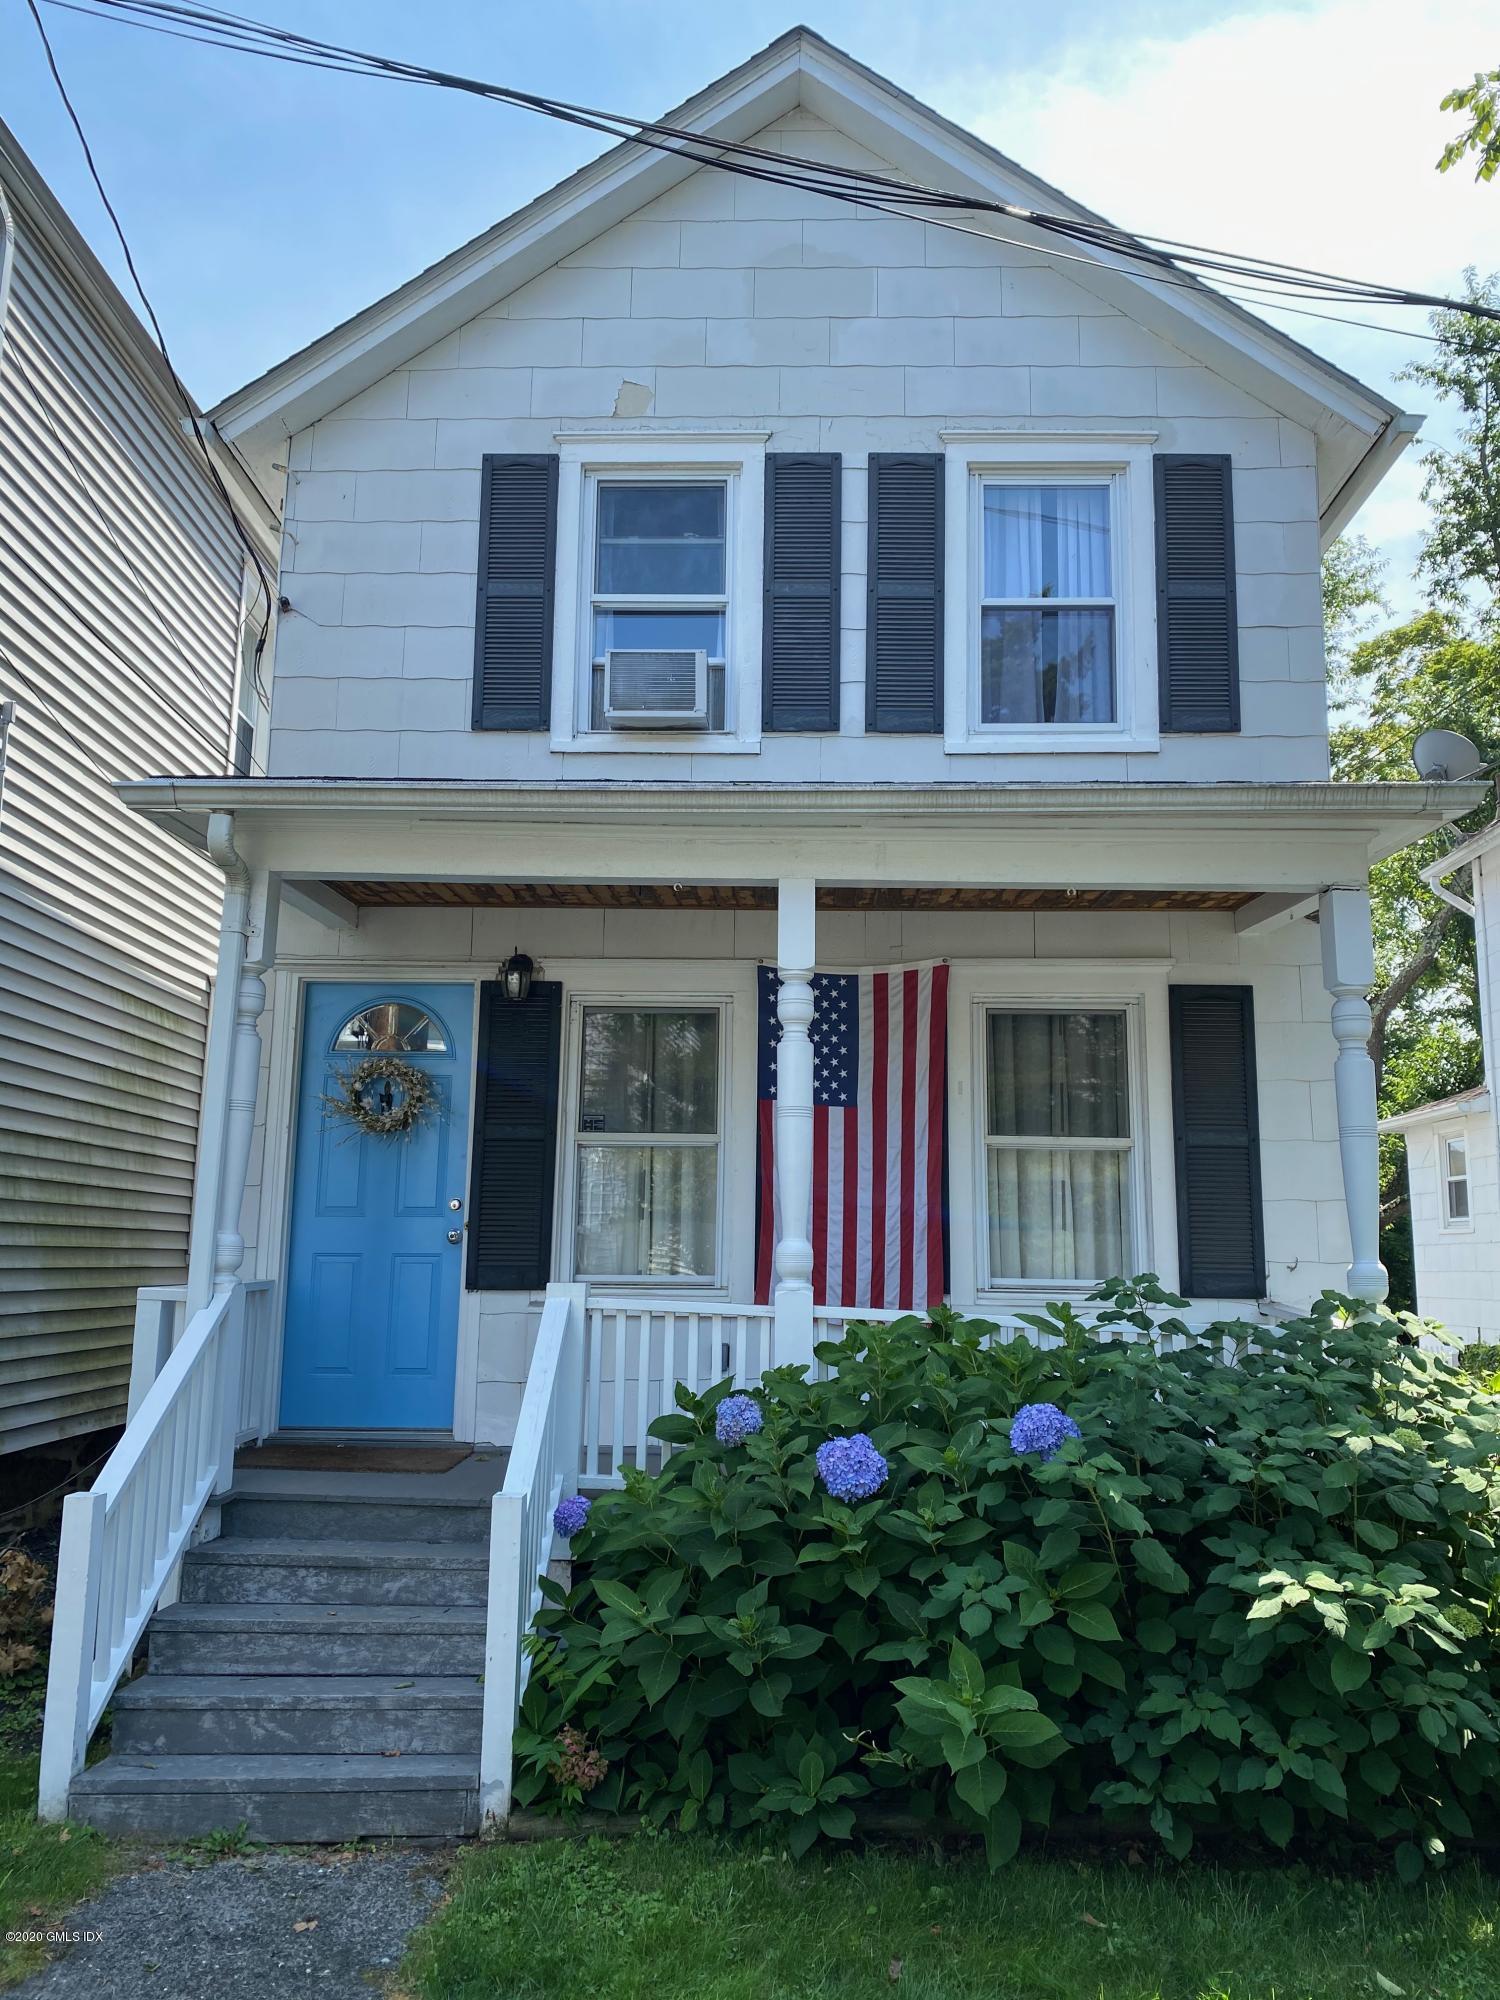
<point>1258,1593</point>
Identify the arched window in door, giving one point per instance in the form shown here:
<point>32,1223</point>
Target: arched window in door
<point>391,1027</point>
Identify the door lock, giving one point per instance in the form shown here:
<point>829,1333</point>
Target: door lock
<point>455,1204</point>
<point>455,1236</point>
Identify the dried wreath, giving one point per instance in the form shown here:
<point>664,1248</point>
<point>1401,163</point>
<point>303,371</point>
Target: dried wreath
<point>381,1095</point>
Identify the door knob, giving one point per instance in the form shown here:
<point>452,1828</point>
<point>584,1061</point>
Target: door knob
<point>455,1236</point>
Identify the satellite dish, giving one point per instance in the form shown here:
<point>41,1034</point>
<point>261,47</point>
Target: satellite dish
<point>1443,756</point>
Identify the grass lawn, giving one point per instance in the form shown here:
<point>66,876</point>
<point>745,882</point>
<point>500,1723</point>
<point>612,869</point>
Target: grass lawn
<point>43,1869</point>
<point>668,1918</point>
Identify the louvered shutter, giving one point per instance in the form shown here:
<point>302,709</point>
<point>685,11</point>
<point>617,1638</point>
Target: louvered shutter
<point>904,634</point>
<point>800,619</point>
<point>515,1139</point>
<point>1197,623</point>
<point>1219,1228</point>
<point>513,619</point>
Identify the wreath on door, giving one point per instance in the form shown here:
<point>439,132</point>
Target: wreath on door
<point>381,1095</point>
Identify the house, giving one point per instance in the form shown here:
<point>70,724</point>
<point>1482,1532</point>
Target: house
<point>798,739</point>
<point>124,607</point>
<point>1452,1148</point>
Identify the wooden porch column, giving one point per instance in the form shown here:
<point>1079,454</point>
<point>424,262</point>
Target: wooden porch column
<point>796,924</point>
<point>1348,974</point>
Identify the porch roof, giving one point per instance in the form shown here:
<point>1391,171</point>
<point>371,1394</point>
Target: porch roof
<point>1378,819</point>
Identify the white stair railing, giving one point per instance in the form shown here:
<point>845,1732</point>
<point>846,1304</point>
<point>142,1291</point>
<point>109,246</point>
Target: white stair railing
<point>122,1540</point>
<point>542,1469</point>
<point>638,1351</point>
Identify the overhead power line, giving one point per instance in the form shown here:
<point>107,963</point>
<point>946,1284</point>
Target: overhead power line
<point>1167,260</point>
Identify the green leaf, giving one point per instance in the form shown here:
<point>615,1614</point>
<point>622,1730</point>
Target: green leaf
<point>981,1785</point>
<point>1349,1670</point>
<point>1159,1568</point>
<point>1053,1643</point>
<point>619,1597</point>
<point>966,1668</point>
<point>1410,1862</point>
<point>1085,1580</point>
<point>658,1675</point>
<point>837,1822</point>
<point>1380,1772</point>
<point>1276,1818</point>
<point>961,1749</point>
<point>1002,1834</point>
<point>1094,1621</point>
<point>673,1430</point>
<point>1022,1729</point>
<point>1155,1635</point>
<point>810,1774</point>
<point>1376,1535</point>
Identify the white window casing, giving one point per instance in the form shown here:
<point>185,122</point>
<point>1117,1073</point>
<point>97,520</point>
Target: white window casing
<point>1121,463</point>
<point>733,459</point>
<point>1455,1187</point>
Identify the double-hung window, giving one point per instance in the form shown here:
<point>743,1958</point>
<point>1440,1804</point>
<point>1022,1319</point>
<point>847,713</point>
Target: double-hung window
<point>647,1145</point>
<point>1057,1145</point>
<point>1047,612</point>
<point>1454,1153</point>
<point>660,578</point>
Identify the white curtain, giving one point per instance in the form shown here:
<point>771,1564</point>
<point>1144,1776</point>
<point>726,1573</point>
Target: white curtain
<point>1057,1212</point>
<point>1047,664</point>
<point>646,1211</point>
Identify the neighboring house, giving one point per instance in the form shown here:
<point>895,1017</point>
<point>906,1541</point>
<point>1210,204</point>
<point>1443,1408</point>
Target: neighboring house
<point>1452,1154</point>
<point>692,586</point>
<point>122,605</point>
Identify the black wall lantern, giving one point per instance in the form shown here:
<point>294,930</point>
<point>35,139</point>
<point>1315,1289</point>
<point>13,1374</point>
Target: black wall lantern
<point>516,975</point>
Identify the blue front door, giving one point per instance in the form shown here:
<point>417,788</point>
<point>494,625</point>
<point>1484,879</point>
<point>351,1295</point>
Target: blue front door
<point>373,1283</point>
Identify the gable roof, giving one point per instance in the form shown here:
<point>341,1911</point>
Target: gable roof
<point>1358,431</point>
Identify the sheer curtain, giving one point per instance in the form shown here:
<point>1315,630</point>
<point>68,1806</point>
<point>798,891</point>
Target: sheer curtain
<point>647,1209</point>
<point>1048,664</point>
<point>1057,1212</point>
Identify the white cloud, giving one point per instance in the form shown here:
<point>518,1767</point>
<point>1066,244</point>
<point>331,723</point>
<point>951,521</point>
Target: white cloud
<point>1306,134</point>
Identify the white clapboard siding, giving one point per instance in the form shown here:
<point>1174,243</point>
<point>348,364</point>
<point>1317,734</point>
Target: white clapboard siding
<point>119,613</point>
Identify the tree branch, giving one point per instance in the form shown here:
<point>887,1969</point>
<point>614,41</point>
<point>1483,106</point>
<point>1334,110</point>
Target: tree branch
<point>1399,986</point>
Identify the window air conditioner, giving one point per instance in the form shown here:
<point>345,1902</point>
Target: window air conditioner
<point>655,688</point>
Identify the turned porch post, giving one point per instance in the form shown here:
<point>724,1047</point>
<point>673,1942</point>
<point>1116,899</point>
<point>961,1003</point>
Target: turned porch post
<point>1348,974</point>
<point>795,956</point>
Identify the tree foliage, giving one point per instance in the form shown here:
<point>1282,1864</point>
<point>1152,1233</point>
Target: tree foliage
<point>1460,556</point>
<point>1481,136</point>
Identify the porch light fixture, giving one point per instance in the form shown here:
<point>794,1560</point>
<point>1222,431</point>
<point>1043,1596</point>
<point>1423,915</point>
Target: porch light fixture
<point>516,975</point>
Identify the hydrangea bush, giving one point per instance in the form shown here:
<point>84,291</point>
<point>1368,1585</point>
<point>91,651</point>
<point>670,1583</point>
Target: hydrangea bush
<point>1248,1584</point>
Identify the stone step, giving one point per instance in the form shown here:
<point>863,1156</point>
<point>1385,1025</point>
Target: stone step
<point>250,1569</point>
<point>339,1517</point>
<point>335,1799</point>
<point>395,1640</point>
<point>306,1715</point>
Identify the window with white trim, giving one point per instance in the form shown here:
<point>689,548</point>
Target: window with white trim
<point>647,1152</point>
<point>1454,1152</point>
<point>1046,603</point>
<point>1058,1145</point>
<point>659,577</point>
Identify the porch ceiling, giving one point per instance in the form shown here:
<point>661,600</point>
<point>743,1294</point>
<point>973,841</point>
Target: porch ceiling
<point>762,896</point>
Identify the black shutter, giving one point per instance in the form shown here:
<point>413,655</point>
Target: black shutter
<point>1197,622</point>
<point>1219,1229</point>
<point>800,619</point>
<point>904,636</point>
<point>513,619</point>
<point>515,1139</point>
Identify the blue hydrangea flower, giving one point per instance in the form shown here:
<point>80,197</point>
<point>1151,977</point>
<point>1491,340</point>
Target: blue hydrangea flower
<point>737,1418</point>
<point>1042,1428</point>
<point>851,1468</point>
<point>568,1516</point>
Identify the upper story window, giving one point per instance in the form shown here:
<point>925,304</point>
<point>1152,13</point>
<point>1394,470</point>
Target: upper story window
<point>1454,1153</point>
<point>660,594</point>
<point>1047,605</point>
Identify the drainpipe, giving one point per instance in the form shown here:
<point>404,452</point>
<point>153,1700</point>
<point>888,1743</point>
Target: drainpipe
<point>218,1062</point>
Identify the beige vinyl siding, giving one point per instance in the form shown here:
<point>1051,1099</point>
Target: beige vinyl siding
<point>119,615</point>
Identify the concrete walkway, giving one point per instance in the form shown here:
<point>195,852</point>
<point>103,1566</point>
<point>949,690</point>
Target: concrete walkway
<point>274,1926</point>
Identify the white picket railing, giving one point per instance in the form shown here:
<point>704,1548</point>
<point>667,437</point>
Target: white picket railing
<point>542,1469</point>
<point>638,1351</point>
<point>160,1314</point>
<point>122,1540</point>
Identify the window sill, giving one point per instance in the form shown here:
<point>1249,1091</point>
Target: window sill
<point>1049,742</point>
<point>675,742</point>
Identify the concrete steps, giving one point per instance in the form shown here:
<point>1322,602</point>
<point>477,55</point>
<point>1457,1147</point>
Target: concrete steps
<point>319,1678</point>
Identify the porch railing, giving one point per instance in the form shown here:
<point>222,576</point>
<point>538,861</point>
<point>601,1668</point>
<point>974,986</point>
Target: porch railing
<point>122,1540</point>
<point>638,1350</point>
<point>542,1469</point>
<point>160,1315</point>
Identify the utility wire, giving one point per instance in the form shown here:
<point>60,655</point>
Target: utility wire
<point>246,539</point>
<point>243,34</point>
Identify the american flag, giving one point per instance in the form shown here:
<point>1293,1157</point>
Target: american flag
<point>880,1046</point>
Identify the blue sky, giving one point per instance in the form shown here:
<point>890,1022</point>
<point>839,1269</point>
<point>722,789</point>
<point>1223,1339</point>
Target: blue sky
<point>266,203</point>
